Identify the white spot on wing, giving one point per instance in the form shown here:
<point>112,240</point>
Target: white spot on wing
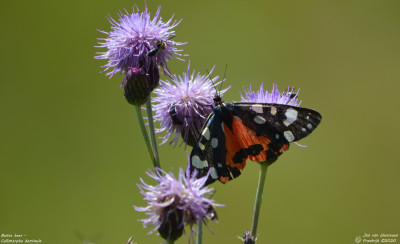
<point>206,133</point>
<point>202,147</point>
<point>309,126</point>
<point>214,173</point>
<point>257,108</point>
<point>219,165</point>
<point>259,120</point>
<point>273,110</point>
<point>214,142</point>
<point>303,129</point>
<point>198,163</point>
<point>289,136</point>
<point>291,116</point>
<point>277,136</point>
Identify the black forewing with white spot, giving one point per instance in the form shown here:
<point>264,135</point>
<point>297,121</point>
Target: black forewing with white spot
<point>209,152</point>
<point>279,123</point>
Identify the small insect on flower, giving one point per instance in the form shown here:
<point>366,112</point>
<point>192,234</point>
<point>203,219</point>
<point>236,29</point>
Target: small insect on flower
<point>182,106</point>
<point>259,129</point>
<point>292,95</point>
<point>174,203</point>
<point>134,36</point>
<point>160,46</point>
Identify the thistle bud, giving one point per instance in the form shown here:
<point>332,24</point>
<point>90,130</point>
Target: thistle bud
<point>172,226</point>
<point>138,85</point>
<point>248,238</point>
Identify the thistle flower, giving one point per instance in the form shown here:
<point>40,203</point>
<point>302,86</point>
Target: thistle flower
<point>183,105</point>
<point>263,96</point>
<point>175,202</point>
<point>133,37</point>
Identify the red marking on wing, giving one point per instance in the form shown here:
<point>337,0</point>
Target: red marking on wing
<point>224,179</point>
<point>247,137</point>
<point>285,147</point>
<point>232,146</point>
<point>243,137</point>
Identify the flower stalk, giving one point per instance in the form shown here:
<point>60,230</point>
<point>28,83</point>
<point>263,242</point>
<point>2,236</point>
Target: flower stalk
<point>257,205</point>
<point>152,132</point>
<point>199,232</point>
<point>144,134</point>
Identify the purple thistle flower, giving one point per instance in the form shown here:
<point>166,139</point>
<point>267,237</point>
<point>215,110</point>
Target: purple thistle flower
<point>175,202</point>
<point>263,96</point>
<point>133,37</point>
<point>182,106</point>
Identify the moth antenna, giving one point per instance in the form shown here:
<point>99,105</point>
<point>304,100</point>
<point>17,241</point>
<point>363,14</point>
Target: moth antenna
<point>171,37</point>
<point>212,82</point>
<point>223,79</point>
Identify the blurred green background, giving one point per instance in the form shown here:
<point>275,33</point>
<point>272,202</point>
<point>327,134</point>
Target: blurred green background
<point>71,150</point>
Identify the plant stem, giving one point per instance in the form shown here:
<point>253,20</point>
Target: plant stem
<point>151,131</point>
<point>260,189</point>
<point>144,133</point>
<point>199,232</point>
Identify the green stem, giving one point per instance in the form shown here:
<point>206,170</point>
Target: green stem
<point>152,133</point>
<point>260,189</point>
<point>144,133</point>
<point>199,232</point>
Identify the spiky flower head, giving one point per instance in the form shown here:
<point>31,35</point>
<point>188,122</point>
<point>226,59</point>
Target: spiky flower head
<point>263,96</point>
<point>182,106</point>
<point>172,203</point>
<point>133,36</point>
